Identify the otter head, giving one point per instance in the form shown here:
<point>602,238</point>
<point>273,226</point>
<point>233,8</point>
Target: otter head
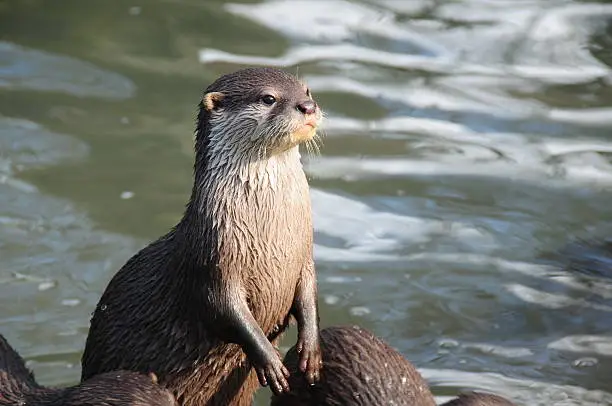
<point>255,113</point>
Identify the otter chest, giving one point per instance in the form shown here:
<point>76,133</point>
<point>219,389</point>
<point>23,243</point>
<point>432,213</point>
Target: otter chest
<point>269,239</point>
<point>276,237</point>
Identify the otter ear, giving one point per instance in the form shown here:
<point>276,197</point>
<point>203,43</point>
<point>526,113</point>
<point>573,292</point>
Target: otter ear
<point>212,100</point>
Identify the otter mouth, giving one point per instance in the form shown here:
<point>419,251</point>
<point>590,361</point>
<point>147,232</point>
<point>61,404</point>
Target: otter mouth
<point>305,132</point>
<point>312,123</point>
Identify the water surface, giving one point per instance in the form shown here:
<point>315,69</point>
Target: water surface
<point>464,139</point>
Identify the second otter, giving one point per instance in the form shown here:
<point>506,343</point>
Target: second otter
<point>226,279</point>
<point>120,388</point>
<point>362,369</point>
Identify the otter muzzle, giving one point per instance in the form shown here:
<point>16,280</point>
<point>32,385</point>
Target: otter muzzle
<point>306,132</point>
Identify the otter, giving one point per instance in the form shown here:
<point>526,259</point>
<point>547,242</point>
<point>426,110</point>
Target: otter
<point>362,369</point>
<point>205,305</point>
<point>121,388</point>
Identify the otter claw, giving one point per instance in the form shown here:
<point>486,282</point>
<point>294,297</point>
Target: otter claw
<point>310,360</point>
<point>276,375</point>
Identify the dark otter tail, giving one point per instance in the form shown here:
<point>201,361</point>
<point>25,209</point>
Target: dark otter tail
<point>15,378</point>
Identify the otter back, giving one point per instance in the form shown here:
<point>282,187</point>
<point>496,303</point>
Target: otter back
<point>360,369</point>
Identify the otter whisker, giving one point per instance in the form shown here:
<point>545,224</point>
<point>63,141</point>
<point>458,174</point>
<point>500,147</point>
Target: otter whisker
<point>313,148</point>
<point>309,149</point>
<point>317,145</point>
<point>319,138</point>
<point>318,142</point>
<point>316,152</point>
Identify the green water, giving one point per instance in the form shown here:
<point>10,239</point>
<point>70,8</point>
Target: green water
<point>462,140</point>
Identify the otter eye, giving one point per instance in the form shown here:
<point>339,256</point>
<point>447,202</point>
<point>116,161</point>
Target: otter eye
<point>308,92</point>
<point>268,99</point>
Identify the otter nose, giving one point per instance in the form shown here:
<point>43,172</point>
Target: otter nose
<point>307,107</point>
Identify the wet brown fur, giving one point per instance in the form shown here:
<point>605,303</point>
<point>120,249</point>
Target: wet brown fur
<point>226,280</point>
<point>18,387</point>
<point>361,369</point>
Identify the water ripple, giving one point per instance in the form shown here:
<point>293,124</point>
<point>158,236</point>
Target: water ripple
<point>31,69</point>
<point>26,144</point>
<point>581,344</point>
<point>543,44</point>
<point>526,392</point>
<point>547,160</point>
<point>52,254</point>
<point>361,233</point>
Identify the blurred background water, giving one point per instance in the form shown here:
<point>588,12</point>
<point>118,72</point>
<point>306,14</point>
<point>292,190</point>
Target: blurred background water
<point>465,139</point>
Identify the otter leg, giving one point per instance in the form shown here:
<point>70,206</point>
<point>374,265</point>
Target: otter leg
<point>241,327</point>
<point>306,312</point>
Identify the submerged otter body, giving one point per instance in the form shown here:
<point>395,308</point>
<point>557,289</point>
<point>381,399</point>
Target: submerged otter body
<point>362,370</point>
<point>18,387</point>
<point>208,301</point>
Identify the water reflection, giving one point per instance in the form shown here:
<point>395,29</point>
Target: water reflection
<point>464,139</point>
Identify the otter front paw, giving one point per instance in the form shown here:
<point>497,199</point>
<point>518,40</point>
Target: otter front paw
<point>275,374</point>
<point>309,350</point>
